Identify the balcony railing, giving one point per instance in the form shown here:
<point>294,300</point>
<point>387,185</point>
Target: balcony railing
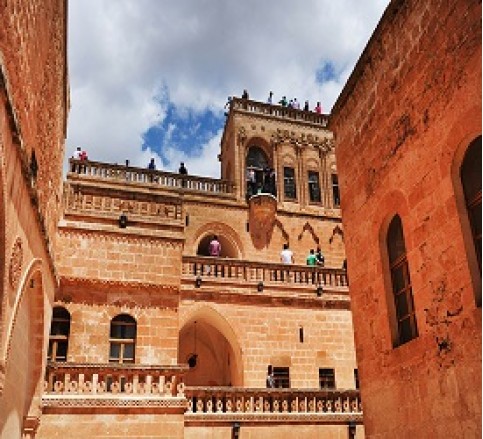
<point>249,271</point>
<point>130,174</point>
<point>269,404</point>
<point>74,385</point>
<point>279,111</point>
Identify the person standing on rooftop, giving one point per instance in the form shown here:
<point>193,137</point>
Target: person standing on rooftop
<point>318,108</point>
<point>270,98</point>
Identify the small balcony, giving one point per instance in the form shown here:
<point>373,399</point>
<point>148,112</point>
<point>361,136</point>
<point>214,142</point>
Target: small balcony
<point>113,386</point>
<point>273,280</point>
<point>95,171</point>
<point>222,404</point>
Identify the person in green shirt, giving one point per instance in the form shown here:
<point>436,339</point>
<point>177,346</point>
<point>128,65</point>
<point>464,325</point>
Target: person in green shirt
<point>311,258</point>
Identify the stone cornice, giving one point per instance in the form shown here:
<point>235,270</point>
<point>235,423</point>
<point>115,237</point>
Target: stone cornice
<point>224,294</point>
<point>105,404</point>
<point>132,234</point>
<point>272,418</point>
<point>117,293</point>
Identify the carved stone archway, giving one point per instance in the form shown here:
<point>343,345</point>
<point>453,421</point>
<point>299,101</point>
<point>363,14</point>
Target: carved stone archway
<point>206,334</point>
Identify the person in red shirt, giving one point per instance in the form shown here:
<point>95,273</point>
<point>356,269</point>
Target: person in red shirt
<point>215,247</point>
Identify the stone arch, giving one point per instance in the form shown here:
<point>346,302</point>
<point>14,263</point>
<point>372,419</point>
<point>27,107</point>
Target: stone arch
<point>396,205</point>
<point>288,159</point>
<point>211,329</point>
<point>3,241</point>
<point>22,354</point>
<point>312,164</point>
<point>261,143</point>
<point>466,232</point>
<point>231,245</point>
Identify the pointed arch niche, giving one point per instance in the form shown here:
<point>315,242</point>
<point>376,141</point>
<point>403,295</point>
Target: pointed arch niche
<point>208,344</point>
<point>231,246</point>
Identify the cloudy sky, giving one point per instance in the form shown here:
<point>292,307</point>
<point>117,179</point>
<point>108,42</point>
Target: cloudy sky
<point>149,78</point>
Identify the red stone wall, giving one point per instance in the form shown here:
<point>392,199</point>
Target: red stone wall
<point>402,123</point>
<point>33,111</point>
<point>33,55</point>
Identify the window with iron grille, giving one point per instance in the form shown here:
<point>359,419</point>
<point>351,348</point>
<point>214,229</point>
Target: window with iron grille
<point>401,283</point>
<point>290,190</point>
<point>327,378</point>
<point>314,187</point>
<point>122,339</point>
<point>282,377</point>
<point>59,335</point>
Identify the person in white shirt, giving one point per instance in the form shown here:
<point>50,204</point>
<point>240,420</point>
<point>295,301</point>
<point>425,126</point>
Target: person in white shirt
<point>77,153</point>
<point>286,255</point>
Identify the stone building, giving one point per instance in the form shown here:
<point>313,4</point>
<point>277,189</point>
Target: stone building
<point>411,208</point>
<point>119,317</point>
<point>150,325</point>
<point>117,321</point>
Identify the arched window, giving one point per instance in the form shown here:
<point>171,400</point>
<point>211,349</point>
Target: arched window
<point>59,335</point>
<point>122,339</point>
<point>406,328</point>
<point>470,174</point>
<point>256,164</point>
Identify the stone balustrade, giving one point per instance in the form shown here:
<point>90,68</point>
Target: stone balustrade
<point>74,385</point>
<point>279,111</point>
<point>210,268</point>
<point>130,174</point>
<point>248,403</point>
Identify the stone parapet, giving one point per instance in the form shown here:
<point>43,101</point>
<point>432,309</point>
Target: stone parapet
<point>229,404</point>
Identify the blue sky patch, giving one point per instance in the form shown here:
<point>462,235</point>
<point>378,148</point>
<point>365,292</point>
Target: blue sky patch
<point>184,130</point>
<point>325,73</point>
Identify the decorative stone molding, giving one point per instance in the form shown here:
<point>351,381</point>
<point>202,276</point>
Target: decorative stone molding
<point>115,285</point>
<point>302,140</point>
<point>275,418</point>
<point>310,229</point>
<point>337,231</point>
<point>54,401</point>
<point>16,261</point>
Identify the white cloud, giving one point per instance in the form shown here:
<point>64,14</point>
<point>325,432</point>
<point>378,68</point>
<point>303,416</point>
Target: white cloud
<point>124,54</point>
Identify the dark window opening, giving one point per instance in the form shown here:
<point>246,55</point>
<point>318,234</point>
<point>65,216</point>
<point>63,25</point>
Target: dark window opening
<point>282,377</point>
<point>356,378</point>
<point>326,378</point>
<point>314,187</point>
<point>290,189</point>
<point>335,190</point>
<point>34,167</point>
<point>122,339</point>
<point>401,283</point>
<point>471,179</point>
<point>59,335</point>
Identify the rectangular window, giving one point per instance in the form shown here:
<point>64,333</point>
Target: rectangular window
<point>356,378</point>
<point>314,187</point>
<point>335,190</point>
<point>327,378</point>
<point>290,189</point>
<point>282,377</point>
